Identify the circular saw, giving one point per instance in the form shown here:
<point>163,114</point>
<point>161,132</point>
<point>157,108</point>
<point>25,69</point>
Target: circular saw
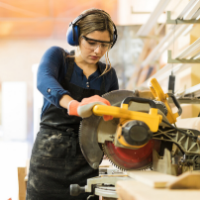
<point>140,135</point>
<point>127,140</point>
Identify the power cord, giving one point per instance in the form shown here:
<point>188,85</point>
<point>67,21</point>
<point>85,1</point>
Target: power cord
<point>195,137</point>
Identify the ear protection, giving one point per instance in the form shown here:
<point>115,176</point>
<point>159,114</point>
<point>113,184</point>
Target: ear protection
<point>72,34</point>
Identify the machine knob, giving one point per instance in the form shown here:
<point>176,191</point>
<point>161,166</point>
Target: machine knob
<point>136,133</point>
<point>75,189</point>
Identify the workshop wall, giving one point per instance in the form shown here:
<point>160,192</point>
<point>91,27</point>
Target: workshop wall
<point>125,54</point>
<point>46,18</point>
<point>16,60</point>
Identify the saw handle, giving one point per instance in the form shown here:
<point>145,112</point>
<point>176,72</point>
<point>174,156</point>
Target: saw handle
<point>157,91</point>
<point>139,100</point>
<point>161,96</point>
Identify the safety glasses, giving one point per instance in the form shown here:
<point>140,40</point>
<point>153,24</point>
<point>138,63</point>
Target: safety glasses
<point>94,44</point>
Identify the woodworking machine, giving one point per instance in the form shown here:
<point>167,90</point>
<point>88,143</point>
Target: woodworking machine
<point>142,128</point>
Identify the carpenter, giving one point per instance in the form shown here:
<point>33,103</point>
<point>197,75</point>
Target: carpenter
<point>71,83</point>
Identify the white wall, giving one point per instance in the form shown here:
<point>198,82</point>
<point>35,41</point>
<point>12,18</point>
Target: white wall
<point>16,61</point>
<point>126,7</point>
<point>14,110</point>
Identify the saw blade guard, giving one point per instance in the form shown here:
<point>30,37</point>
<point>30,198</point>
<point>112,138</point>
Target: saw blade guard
<point>130,159</point>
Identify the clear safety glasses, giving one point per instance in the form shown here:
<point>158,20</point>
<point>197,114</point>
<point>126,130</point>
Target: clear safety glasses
<point>94,44</point>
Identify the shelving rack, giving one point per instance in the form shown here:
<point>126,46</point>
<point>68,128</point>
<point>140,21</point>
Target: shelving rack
<point>190,12</point>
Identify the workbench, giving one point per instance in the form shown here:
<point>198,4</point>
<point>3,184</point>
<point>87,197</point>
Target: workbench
<point>135,190</point>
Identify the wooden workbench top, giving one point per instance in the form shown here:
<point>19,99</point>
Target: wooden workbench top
<point>134,190</point>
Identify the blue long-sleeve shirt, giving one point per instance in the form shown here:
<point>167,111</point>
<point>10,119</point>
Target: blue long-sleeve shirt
<point>51,72</point>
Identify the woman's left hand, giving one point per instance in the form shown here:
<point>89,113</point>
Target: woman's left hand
<point>84,108</point>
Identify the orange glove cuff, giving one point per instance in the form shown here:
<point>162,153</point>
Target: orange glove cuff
<point>72,107</point>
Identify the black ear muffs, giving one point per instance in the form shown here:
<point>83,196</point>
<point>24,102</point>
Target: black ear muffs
<point>72,34</point>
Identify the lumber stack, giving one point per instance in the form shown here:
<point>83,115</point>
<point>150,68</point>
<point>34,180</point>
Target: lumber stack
<point>150,185</point>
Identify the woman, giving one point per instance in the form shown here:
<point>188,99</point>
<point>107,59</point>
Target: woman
<point>71,86</point>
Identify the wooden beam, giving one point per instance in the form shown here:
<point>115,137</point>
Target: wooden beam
<point>21,182</point>
<point>134,190</point>
<point>151,178</point>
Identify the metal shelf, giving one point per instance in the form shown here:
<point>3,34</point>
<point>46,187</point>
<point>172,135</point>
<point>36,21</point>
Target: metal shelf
<point>180,21</point>
<point>175,32</point>
<point>181,60</point>
<point>167,69</point>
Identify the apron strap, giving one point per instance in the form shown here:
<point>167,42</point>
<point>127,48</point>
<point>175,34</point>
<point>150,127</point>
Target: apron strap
<point>70,68</point>
<point>68,63</point>
<point>103,88</point>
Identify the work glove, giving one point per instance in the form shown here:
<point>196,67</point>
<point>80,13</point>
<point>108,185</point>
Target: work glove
<point>84,108</point>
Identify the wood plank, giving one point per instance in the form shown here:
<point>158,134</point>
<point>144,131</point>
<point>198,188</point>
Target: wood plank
<point>152,178</point>
<point>22,183</point>
<point>193,123</point>
<point>164,165</point>
<point>188,180</point>
<point>134,190</point>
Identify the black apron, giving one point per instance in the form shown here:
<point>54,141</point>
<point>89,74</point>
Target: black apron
<point>57,160</point>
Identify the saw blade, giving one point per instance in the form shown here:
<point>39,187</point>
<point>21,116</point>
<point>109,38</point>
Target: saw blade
<point>131,159</point>
<point>88,131</point>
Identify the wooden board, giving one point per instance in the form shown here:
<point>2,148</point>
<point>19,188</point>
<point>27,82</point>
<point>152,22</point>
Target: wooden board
<point>22,183</point>
<point>193,123</point>
<point>188,180</point>
<point>151,178</point>
<point>134,190</point>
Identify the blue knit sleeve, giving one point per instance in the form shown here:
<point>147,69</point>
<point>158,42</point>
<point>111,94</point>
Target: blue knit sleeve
<point>49,76</point>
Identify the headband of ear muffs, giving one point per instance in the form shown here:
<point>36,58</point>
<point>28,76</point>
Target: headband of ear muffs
<point>72,34</point>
